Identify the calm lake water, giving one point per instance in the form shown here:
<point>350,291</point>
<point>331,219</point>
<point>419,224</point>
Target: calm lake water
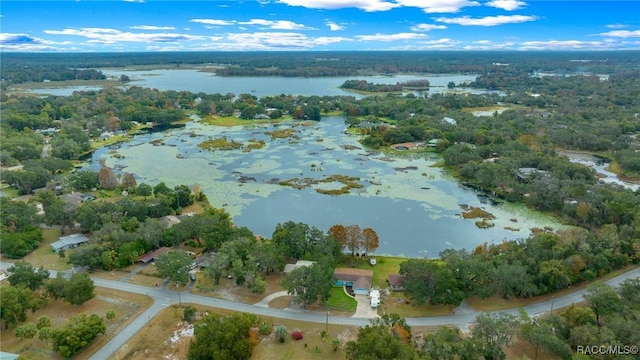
<point>197,81</point>
<point>413,206</point>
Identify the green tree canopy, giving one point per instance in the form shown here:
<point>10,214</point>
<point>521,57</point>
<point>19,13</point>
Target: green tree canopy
<point>174,265</point>
<point>78,332</point>
<point>79,289</point>
<point>23,273</point>
<point>222,337</point>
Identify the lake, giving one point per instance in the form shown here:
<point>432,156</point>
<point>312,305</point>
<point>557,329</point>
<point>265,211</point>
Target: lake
<point>413,206</point>
<point>197,81</point>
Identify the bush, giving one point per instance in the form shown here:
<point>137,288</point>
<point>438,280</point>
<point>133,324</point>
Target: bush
<point>296,335</point>
<point>265,328</point>
<point>189,313</point>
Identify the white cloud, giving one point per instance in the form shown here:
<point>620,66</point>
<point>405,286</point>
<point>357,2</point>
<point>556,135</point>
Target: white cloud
<point>622,33</point>
<point>427,27</point>
<point>111,36</point>
<point>567,45</point>
<point>391,37</point>
<point>214,22</point>
<point>151,27</point>
<point>25,42</point>
<point>508,5</point>
<point>366,5</point>
<point>326,40</point>
<point>487,21</point>
<point>438,6</point>
<point>616,26</point>
<point>276,25</point>
<point>334,27</point>
<point>428,6</point>
<point>275,41</point>
<point>270,24</point>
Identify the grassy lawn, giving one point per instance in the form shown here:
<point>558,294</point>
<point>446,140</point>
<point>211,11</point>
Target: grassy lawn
<point>44,255</point>
<point>11,192</point>
<point>339,300</point>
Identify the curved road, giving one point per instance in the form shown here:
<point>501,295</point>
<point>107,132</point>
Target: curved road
<point>163,298</point>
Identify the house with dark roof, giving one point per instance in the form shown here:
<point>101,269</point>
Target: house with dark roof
<point>205,259</point>
<point>359,279</point>
<point>68,242</point>
<point>526,173</point>
<point>396,282</point>
<point>150,256</point>
<point>169,220</point>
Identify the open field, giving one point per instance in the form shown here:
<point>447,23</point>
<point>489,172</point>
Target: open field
<point>127,307</point>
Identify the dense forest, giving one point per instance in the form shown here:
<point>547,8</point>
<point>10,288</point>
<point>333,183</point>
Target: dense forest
<point>498,69</point>
<point>583,102</point>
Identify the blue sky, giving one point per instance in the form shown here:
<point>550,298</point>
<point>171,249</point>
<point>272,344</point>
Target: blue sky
<point>317,25</point>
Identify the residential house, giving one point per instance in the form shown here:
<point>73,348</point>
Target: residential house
<point>68,242</point>
<point>526,173</point>
<point>433,143</point>
<point>449,121</point>
<point>150,256</point>
<point>205,259</point>
<point>300,263</point>
<point>169,220</point>
<point>358,279</point>
<point>407,146</point>
<point>396,282</point>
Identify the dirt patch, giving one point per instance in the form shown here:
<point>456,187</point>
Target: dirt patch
<point>127,307</point>
<point>398,303</point>
<point>281,302</point>
<point>228,290</point>
<point>167,337</point>
<point>114,275</point>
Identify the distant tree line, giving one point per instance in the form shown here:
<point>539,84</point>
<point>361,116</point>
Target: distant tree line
<point>363,85</point>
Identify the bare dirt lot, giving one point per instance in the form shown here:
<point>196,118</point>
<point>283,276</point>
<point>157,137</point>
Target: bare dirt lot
<point>127,307</point>
<point>167,337</point>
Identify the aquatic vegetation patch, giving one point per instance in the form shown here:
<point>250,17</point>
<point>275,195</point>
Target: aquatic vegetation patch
<point>253,144</point>
<point>347,182</point>
<point>220,144</point>
<point>351,147</point>
<point>472,212</point>
<point>484,224</point>
<point>283,134</point>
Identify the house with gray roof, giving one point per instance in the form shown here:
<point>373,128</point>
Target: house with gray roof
<point>69,242</point>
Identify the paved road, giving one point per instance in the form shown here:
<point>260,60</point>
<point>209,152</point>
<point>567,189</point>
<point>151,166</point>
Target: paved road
<point>163,298</point>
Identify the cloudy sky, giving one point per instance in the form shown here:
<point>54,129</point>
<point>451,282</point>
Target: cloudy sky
<point>318,25</point>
